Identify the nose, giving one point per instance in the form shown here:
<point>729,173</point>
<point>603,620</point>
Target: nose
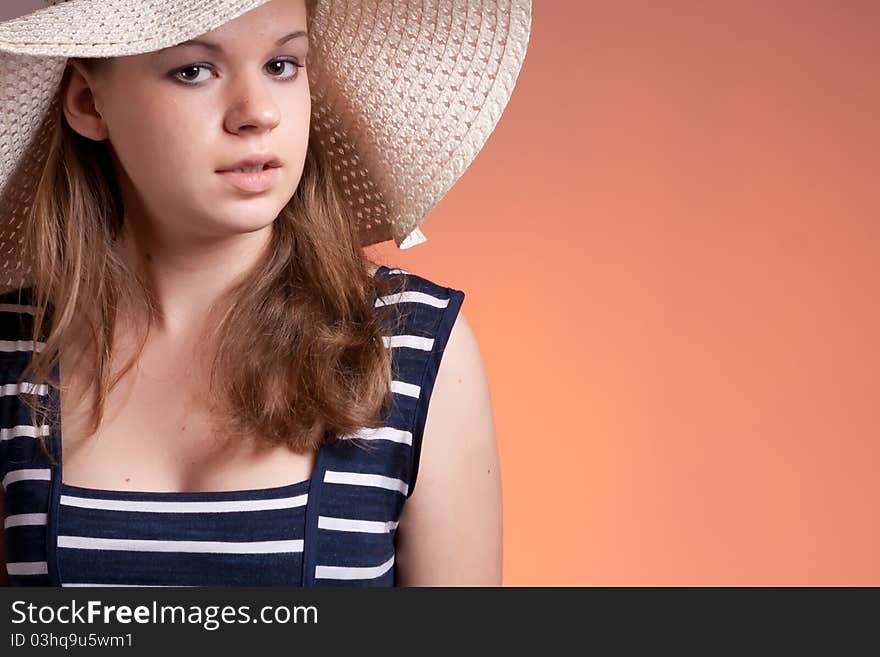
<point>253,106</point>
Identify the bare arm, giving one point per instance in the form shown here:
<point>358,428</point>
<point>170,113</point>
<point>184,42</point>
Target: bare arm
<point>450,531</point>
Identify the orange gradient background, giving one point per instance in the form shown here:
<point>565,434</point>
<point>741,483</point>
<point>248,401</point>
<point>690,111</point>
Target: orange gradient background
<point>669,249</point>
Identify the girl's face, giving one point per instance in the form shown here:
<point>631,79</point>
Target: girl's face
<point>174,118</point>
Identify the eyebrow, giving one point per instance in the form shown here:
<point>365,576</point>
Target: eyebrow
<point>218,48</point>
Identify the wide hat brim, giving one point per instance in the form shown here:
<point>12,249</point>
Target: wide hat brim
<point>404,93</point>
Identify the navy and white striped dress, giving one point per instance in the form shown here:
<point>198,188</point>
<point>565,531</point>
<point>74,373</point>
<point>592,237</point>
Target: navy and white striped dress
<point>337,528</point>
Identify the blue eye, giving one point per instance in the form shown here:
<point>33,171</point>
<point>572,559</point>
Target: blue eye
<point>192,82</point>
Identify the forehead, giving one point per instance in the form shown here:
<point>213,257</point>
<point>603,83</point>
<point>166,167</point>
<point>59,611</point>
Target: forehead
<point>275,23</point>
<point>218,46</point>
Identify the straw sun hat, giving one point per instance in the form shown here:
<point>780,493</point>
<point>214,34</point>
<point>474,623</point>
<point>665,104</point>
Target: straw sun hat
<point>405,93</point>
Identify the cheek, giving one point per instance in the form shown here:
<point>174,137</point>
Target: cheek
<point>158,141</point>
<point>301,119</point>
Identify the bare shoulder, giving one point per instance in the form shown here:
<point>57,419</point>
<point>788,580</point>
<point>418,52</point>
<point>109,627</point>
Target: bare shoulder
<point>450,530</point>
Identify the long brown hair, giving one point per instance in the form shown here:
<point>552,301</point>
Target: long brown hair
<point>299,339</point>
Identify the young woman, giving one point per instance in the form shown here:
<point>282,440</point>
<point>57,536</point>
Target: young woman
<point>185,203</point>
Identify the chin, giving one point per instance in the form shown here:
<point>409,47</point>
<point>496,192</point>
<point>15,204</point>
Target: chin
<point>231,226</point>
<point>253,226</point>
<point>249,215</point>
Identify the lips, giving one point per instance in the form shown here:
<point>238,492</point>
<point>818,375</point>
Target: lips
<point>255,169</point>
<point>253,183</point>
<point>263,161</point>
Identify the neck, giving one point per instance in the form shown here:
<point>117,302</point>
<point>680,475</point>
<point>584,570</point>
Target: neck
<point>187,278</point>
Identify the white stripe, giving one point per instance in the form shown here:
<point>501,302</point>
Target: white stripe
<point>381,433</point>
<point>353,572</point>
<point>408,389</point>
<point>8,433</point>
<point>351,525</point>
<point>20,345</point>
<point>364,479</point>
<point>409,341</point>
<point>144,585</point>
<point>26,474</point>
<point>411,296</point>
<point>27,568</point>
<point>16,308</point>
<point>151,506</point>
<point>20,519</point>
<point>27,388</point>
<point>398,270</point>
<point>149,545</point>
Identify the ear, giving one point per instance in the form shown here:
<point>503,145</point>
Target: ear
<point>78,99</point>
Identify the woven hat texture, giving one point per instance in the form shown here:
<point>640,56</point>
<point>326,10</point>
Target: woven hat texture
<point>404,93</point>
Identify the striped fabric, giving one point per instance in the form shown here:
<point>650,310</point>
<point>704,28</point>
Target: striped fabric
<point>336,529</point>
